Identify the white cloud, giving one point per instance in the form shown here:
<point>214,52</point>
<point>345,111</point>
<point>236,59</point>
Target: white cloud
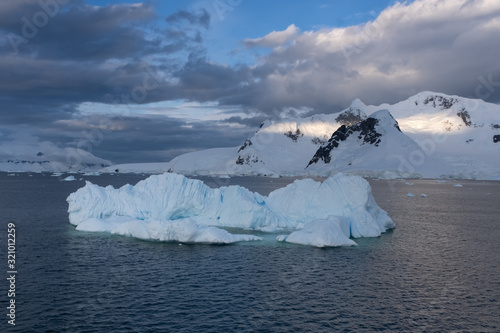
<point>275,38</point>
<point>438,45</point>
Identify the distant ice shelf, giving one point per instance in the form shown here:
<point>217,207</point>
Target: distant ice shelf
<point>172,207</point>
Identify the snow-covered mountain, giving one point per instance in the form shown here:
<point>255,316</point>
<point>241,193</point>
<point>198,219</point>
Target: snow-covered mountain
<point>460,137</point>
<point>278,148</point>
<point>46,156</point>
<point>428,135</point>
<point>284,147</point>
<point>373,146</point>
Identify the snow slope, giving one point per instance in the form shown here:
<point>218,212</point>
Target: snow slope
<point>278,148</point>
<point>46,156</point>
<point>439,136</point>
<point>285,147</point>
<point>215,161</point>
<point>371,147</point>
<point>461,134</point>
<point>171,207</point>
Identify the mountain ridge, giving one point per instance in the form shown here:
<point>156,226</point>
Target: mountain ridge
<point>430,135</point>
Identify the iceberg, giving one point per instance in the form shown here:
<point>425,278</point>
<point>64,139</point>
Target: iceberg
<point>172,207</point>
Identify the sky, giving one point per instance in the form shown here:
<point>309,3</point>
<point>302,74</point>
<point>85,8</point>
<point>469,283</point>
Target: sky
<point>146,81</point>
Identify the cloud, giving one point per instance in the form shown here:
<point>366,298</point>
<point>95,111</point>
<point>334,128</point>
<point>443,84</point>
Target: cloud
<point>78,31</point>
<point>201,80</point>
<point>83,53</point>
<point>275,38</point>
<point>425,45</point>
<point>202,19</point>
<point>110,54</point>
<point>146,138</point>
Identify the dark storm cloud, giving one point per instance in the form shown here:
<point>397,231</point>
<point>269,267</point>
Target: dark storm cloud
<point>200,80</point>
<point>148,139</point>
<point>84,53</point>
<point>32,89</point>
<point>202,19</point>
<point>251,122</point>
<point>87,54</point>
<point>76,31</point>
<point>426,45</point>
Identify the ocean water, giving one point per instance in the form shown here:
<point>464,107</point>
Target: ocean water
<point>438,271</point>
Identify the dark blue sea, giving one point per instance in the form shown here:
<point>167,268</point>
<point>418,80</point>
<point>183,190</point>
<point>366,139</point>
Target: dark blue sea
<point>438,271</point>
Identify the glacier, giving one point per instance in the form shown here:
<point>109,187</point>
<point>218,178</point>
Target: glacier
<point>172,207</point>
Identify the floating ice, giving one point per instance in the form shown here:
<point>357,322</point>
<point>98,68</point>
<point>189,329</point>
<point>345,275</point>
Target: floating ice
<point>69,179</point>
<point>320,233</point>
<point>408,183</point>
<point>423,195</point>
<point>410,195</point>
<point>92,174</point>
<point>171,207</point>
<point>458,185</point>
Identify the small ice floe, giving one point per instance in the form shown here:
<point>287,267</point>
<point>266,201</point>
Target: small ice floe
<point>92,174</point>
<point>458,185</point>
<point>11,174</point>
<point>441,181</point>
<point>410,195</point>
<point>423,195</point>
<point>69,179</point>
<point>408,183</point>
<point>224,176</point>
<point>330,232</point>
<point>56,174</point>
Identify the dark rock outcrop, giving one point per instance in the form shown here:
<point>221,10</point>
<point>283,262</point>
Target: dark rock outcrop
<point>364,130</point>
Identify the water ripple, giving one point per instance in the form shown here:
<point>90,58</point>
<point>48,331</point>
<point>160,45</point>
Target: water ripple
<point>438,271</point>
